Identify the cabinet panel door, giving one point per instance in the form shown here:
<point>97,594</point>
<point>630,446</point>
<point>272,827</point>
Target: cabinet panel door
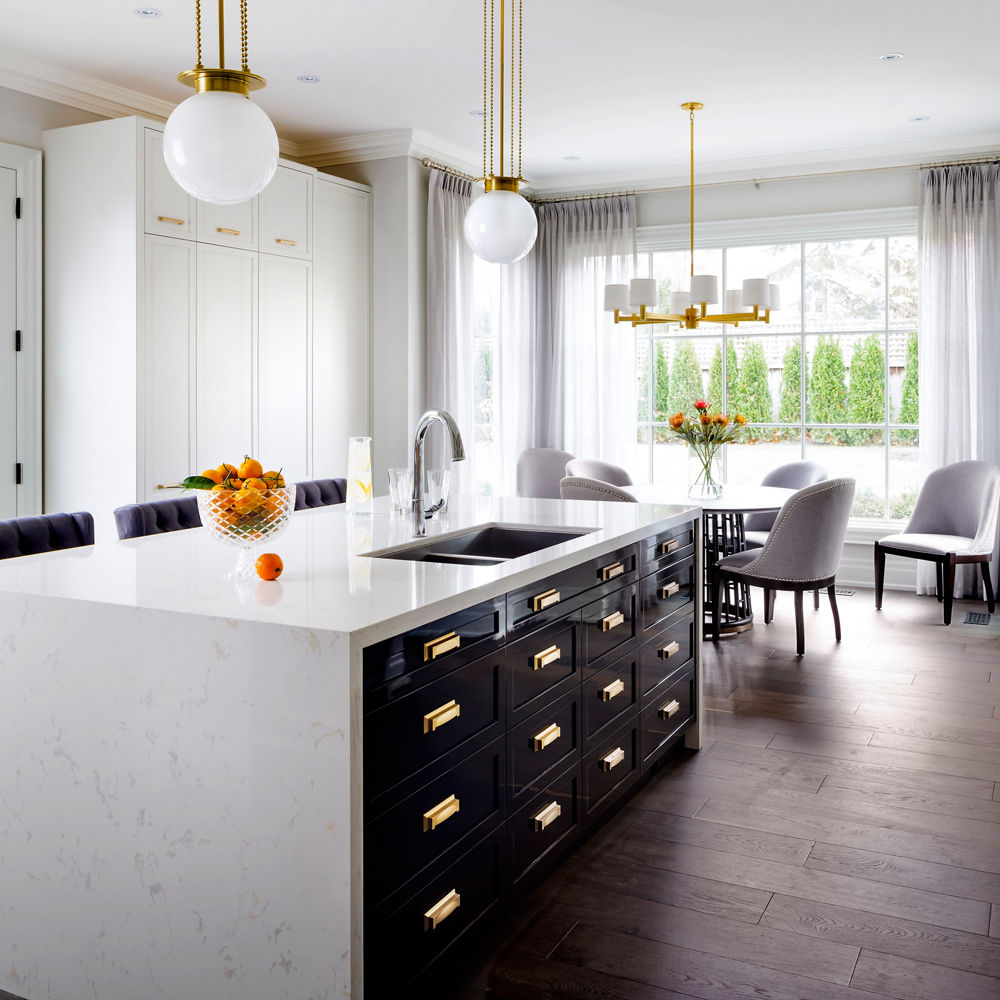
<point>286,213</point>
<point>166,359</point>
<point>228,225</point>
<point>227,293</point>
<point>283,382</point>
<point>169,209</point>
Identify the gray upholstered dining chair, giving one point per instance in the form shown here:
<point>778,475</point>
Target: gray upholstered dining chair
<point>793,476</point>
<point>135,520</point>
<point>603,472</point>
<point>27,536</point>
<point>539,471</point>
<point>801,553</point>
<point>582,488</point>
<point>954,521</point>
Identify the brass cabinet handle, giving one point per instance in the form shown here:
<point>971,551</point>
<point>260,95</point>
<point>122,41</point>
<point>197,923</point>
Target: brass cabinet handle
<point>436,719</point>
<point>669,589</point>
<point>441,910</point>
<point>545,600</point>
<point>443,810</point>
<point>610,572</point>
<point>167,218</point>
<point>548,814</point>
<point>612,621</point>
<point>546,656</point>
<point>548,735</point>
<point>669,546</point>
<point>222,229</point>
<point>669,650</point>
<point>169,486</point>
<point>613,759</point>
<point>671,708</point>
<point>612,690</point>
<point>441,645</point>
<point>287,243</point>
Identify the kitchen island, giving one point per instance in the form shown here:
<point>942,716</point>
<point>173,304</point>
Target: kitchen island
<point>185,760</point>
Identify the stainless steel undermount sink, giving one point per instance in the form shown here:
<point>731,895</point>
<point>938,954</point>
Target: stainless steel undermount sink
<point>484,546</point>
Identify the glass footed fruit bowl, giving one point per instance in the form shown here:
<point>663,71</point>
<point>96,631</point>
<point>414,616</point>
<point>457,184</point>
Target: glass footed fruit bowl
<point>246,518</point>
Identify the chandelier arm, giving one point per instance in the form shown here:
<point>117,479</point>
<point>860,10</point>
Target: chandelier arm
<point>197,33</point>
<point>243,34</point>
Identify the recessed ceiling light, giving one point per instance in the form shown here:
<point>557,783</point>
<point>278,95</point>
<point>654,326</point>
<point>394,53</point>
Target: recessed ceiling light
<point>571,157</point>
<point>892,56</point>
<point>308,78</point>
<point>920,118</point>
<point>148,12</point>
<point>477,113</point>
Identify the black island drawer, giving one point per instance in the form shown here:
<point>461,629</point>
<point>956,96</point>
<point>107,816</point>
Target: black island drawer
<point>421,827</point>
<point>399,947</point>
<point>666,592</point>
<point>661,657</point>
<point>412,732</point>
<point>608,693</point>
<point>543,663</point>
<point>553,598</point>
<point>545,741</point>
<point>611,770</point>
<point>430,650</point>
<point>668,545</point>
<point>547,820</point>
<point>667,714</point>
<point>610,623</point>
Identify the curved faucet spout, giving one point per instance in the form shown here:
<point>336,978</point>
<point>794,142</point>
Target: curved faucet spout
<point>457,455</point>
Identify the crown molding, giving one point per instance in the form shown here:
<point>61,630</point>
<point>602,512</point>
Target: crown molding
<point>383,145</point>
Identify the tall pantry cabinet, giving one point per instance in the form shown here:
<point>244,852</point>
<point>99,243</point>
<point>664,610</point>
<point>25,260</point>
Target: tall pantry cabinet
<point>179,334</point>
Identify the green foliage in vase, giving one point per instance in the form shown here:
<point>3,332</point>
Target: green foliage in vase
<point>685,378</point>
<point>753,391</point>
<point>866,393</point>
<point>828,390</point>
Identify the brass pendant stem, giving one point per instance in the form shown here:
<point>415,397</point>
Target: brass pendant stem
<point>197,33</point>
<point>691,211</point>
<point>503,15</point>
<point>222,36</point>
<point>234,81</point>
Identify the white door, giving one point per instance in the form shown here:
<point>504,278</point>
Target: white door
<point>167,358</point>
<point>227,294</point>
<point>8,357</point>
<point>283,369</point>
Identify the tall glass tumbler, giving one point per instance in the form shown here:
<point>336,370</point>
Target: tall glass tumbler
<point>359,475</point>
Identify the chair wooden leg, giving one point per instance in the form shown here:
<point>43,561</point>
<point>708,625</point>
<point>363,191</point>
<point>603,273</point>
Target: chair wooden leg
<point>815,600</point>
<point>939,569</point>
<point>988,587</point>
<point>832,591</point>
<point>800,627</point>
<point>716,581</point>
<point>949,587</point>
<point>768,605</point>
<point>879,575</point>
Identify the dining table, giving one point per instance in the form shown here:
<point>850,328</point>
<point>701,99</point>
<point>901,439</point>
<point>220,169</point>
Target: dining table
<point>723,534</point>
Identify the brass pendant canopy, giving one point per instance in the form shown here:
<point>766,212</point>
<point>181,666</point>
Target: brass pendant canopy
<point>235,81</point>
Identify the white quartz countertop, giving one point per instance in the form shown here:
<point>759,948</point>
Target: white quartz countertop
<point>328,583</point>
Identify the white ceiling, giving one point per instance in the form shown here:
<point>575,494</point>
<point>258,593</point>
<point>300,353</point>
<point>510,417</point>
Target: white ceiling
<point>789,86</point>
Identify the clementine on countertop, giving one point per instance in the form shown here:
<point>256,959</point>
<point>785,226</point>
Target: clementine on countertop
<point>269,566</point>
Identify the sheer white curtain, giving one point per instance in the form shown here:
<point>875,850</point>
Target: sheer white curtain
<point>959,238</point>
<point>584,366</point>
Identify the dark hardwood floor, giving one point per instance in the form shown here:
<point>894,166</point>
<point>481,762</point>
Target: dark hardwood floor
<point>837,838</point>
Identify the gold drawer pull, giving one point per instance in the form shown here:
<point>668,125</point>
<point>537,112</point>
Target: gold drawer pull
<point>222,229</point>
<point>287,243</point>
<point>441,645</point>
<point>541,601</point>
<point>613,759</point>
<point>167,218</point>
<point>436,719</point>
<point>546,656</point>
<point>441,910</point>
<point>610,572</point>
<point>669,546</point>
<point>614,689</point>
<point>546,815</point>
<point>169,486</point>
<point>669,589</point>
<point>671,708</point>
<point>548,735</point>
<point>443,810</point>
<point>668,650</point>
<point>612,621</point>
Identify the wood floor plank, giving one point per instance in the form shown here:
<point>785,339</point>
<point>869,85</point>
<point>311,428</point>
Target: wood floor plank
<point>897,870</point>
<point>930,725</point>
<point>741,728</point>
<point>995,921</point>
<point>907,979</point>
<point>810,883</point>
<point>892,935</point>
<point>939,748</point>
<point>748,772</point>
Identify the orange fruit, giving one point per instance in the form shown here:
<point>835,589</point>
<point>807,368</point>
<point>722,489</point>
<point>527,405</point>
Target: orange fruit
<point>255,484</point>
<point>274,479</point>
<point>269,566</point>
<point>213,474</point>
<point>219,488</point>
<point>227,470</point>
<point>250,469</point>
<point>246,501</point>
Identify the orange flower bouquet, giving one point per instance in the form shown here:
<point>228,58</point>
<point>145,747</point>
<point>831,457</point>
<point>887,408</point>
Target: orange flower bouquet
<point>705,434</point>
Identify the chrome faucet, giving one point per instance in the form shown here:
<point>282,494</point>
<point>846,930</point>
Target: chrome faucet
<point>457,455</point>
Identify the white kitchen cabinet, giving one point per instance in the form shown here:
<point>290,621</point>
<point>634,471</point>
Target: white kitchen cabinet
<point>228,225</point>
<point>284,386</point>
<point>286,212</point>
<point>169,209</point>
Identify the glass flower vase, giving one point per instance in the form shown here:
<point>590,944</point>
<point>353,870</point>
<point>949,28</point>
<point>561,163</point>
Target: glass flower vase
<point>705,473</point>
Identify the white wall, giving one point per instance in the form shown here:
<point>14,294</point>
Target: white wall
<point>23,118</point>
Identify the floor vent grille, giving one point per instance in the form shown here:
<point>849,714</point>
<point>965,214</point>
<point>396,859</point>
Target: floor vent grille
<point>843,592</point>
<point>976,618</point>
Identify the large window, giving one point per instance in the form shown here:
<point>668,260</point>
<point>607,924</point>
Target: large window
<point>832,378</point>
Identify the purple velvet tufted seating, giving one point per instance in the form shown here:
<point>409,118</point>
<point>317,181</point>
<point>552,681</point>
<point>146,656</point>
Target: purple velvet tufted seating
<point>135,520</point>
<point>319,493</point>
<point>27,536</point>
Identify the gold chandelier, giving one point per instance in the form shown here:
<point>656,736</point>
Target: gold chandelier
<point>633,303</point>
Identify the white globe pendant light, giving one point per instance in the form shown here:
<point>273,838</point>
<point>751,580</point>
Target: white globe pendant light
<point>500,226</point>
<point>218,145</point>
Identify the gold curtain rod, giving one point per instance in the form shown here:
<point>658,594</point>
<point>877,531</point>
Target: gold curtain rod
<point>582,197</point>
<point>434,165</point>
<point>988,158</point>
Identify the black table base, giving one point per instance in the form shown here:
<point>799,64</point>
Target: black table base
<point>724,536</point>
